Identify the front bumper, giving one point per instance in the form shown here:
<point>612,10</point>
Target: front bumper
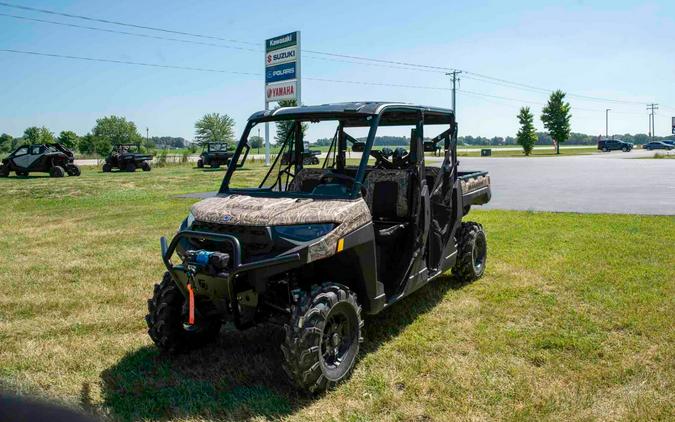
<point>222,285</point>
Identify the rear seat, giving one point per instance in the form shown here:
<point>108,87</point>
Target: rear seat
<point>306,180</point>
<point>387,194</point>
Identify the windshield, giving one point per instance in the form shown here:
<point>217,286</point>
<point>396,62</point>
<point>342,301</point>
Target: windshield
<point>308,158</point>
<point>217,147</point>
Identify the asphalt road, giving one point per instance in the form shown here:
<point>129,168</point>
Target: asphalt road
<point>599,183</point>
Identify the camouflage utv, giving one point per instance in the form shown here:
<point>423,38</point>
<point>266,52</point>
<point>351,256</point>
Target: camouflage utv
<point>313,248</point>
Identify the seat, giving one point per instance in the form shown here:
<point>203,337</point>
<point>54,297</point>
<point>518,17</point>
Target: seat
<point>306,180</point>
<point>387,194</point>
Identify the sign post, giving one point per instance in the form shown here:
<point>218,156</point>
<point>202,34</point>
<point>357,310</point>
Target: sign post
<point>673,130</point>
<point>282,74</point>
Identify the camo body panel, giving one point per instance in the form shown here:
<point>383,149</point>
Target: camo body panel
<point>475,183</point>
<point>400,177</point>
<point>348,215</point>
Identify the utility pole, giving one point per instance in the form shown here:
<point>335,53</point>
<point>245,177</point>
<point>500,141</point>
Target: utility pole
<point>455,80</point>
<point>147,136</point>
<point>651,107</point>
<point>607,122</point>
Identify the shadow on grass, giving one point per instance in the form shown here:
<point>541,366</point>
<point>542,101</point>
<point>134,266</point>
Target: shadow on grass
<point>240,376</point>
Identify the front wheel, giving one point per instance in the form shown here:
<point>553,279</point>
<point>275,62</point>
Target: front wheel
<point>166,318</point>
<point>131,167</point>
<point>57,171</point>
<point>322,337</point>
<point>471,252</point>
<point>605,150</point>
<point>4,171</point>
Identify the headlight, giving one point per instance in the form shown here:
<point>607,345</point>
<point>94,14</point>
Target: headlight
<point>185,225</point>
<point>304,232</point>
<point>190,219</point>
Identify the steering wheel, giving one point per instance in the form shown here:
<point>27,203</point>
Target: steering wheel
<point>329,177</point>
<point>381,160</point>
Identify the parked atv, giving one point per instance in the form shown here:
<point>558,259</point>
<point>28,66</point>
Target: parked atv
<point>214,154</point>
<point>127,157</point>
<point>54,159</point>
<point>309,157</point>
<point>311,249</point>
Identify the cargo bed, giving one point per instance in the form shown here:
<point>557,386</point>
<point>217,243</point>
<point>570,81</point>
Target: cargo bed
<point>475,187</point>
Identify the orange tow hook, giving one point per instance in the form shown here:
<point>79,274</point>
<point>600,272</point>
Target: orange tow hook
<point>191,304</point>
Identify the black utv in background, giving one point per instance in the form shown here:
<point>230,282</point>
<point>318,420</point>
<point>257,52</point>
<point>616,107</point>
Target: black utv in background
<point>214,154</point>
<point>309,157</point>
<point>607,145</point>
<point>127,157</point>
<point>54,159</point>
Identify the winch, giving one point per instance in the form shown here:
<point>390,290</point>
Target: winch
<point>196,261</point>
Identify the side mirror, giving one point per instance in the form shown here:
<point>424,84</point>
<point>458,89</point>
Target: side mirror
<point>359,146</point>
<point>429,146</point>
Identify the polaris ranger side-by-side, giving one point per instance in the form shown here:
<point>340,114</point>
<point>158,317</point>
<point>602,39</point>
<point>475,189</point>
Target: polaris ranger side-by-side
<point>55,159</point>
<point>311,248</point>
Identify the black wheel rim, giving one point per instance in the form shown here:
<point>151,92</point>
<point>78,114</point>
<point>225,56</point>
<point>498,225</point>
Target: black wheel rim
<point>339,337</point>
<point>479,253</point>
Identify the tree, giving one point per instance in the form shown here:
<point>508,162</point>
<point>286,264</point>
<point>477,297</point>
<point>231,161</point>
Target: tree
<point>6,142</point>
<point>526,136</point>
<point>214,128</point>
<point>68,138</point>
<point>256,141</point>
<point>114,130</point>
<point>556,118</point>
<point>284,126</point>
<point>90,144</point>
<point>38,135</point>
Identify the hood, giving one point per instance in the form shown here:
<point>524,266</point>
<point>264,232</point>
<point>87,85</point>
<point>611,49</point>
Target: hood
<point>258,211</point>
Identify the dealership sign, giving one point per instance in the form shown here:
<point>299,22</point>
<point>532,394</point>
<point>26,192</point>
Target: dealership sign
<point>282,68</point>
<point>280,91</point>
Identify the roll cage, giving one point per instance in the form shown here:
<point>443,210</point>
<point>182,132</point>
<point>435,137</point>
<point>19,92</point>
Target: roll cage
<point>370,115</point>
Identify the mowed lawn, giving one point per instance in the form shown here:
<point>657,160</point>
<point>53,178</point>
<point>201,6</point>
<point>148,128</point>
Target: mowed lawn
<point>574,319</point>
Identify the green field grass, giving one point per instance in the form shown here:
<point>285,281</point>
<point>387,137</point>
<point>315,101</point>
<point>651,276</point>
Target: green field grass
<point>572,321</point>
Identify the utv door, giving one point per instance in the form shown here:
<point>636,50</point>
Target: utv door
<point>443,213</point>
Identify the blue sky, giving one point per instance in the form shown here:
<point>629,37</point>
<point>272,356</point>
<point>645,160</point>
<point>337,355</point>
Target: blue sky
<point>618,49</point>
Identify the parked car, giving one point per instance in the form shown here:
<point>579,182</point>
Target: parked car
<point>54,159</point>
<point>669,142</point>
<point>607,145</point>
<point>657,145</point>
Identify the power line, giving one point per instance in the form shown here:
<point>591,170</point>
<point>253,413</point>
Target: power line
<point>208,44</point>
<point>401,64</point>
<point>212,70</point>
<point>203,69</point>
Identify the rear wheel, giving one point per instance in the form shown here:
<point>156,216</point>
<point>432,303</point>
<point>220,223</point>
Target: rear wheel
<point>200,163</point>
<point>73,170</point>
<point>145,166</point>
<point>57,171</point>
<point>166,320</point>
<point>131,167</point>
<point>107,168</point>
<point>21,173</point>
<point>604,149</point>
<point>322,337</point>
<point>471,253</point>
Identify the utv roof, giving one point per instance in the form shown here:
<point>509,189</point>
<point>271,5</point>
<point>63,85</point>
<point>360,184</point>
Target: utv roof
<point>354,113</point>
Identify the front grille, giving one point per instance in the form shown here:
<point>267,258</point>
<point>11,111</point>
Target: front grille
<point>254,240</point>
